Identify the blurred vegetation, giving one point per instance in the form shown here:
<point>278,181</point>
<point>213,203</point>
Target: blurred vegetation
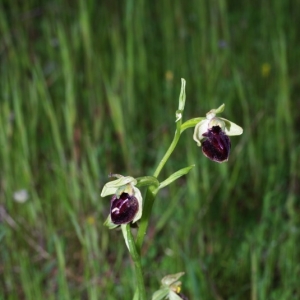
<point>91,87</point>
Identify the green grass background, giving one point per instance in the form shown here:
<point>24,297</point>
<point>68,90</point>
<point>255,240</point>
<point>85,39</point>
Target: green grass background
<point>91,87</point>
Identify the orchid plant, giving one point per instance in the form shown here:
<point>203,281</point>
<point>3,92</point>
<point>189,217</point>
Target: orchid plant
<point>128,207</point>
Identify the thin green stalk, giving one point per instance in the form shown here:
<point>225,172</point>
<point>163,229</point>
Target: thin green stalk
<point>137,265</point>
<point>150,193</point>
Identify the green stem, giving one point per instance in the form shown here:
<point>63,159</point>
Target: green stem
<point>152,189</point>
<point>150,193</point>
<point>137,265</point>
<point>169,151</point>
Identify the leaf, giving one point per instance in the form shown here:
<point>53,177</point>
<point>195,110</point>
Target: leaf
<point>175,176</point>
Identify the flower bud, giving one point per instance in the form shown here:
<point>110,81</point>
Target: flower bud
<point>170,288</point>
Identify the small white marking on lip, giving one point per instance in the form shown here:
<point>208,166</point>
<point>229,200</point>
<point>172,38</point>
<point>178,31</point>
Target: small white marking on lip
<point>125,202</point>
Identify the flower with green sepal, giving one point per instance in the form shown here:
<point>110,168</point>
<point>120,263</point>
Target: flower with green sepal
<point>126,203</point>
<point>212,134</point>
<point>170,288</point>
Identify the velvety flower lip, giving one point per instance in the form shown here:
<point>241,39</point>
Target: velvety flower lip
<point>216,145</point>
<point>123,209</point>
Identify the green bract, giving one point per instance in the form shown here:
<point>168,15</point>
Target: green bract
<point>181,101</point>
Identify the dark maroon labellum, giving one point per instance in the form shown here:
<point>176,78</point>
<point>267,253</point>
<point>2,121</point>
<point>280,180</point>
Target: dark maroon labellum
<point>217,144</point>
<point>183,296</point>
<point>123,209</point>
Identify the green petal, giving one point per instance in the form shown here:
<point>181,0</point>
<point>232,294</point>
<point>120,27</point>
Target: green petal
<point>200,128</point>
<point>212,113</point>
<point>220,109</point>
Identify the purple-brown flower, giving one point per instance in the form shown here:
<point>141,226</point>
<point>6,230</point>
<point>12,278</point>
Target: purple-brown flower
<point>212,134</point>
<point>126,204</point>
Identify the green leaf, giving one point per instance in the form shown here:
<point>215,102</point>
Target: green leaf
<point>147,181</point>
<point>175,176</point>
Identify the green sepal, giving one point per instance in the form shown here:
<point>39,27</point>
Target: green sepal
<point>114,186</point>
<point>171,279</point>
<point>175,176</point>
<point>191,123</point>
<point>147,181</point>
<point>161,293</point>
<point>108,223</point>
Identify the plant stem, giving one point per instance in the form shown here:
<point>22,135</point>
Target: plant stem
<point>150,193</point>
<point>137,265</point>
<point>152,190</point>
